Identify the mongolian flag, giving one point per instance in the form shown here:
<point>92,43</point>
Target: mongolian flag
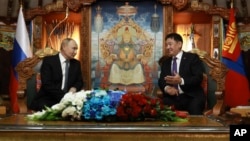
<point>21,51</point>
<point>236,83</point>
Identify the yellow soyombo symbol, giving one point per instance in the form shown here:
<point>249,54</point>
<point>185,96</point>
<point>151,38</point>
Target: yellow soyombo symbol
<point>231,40</point>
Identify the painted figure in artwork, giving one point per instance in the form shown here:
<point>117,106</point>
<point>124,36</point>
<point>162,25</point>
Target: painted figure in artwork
<point>126,68</point>
<point>126,50</point>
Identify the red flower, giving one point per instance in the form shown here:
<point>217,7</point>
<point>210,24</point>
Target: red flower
<point>137,107</point>
<point>181,114</point>
<point>153,113</point>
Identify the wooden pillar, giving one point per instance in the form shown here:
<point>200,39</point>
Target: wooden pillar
<point>168,7</point>
<point>85,46</point>
<point>168,24</point>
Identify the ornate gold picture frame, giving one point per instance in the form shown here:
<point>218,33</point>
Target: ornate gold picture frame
<point>7,34</point>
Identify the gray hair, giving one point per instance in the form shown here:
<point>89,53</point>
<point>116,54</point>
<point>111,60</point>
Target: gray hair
<point>66,41</point>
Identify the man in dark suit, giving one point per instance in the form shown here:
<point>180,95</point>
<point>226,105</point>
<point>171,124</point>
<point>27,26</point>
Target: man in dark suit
<point>55,83</point>
<point>182,87</point>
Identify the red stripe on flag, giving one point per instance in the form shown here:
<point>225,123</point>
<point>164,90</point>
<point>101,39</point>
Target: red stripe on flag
<point>236,83</point>
<point>237,92</point>
<point>13,87</point>
<point>21,51</point>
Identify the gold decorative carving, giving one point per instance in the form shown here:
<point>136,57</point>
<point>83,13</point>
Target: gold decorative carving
<point>58,6</point>
<point>217,69</point>
<point>25,70</point>
<point>75,5</point>
<point>178,4</point>
<point>53,7</point>
<point>212,10</point>
<point>46,52</point>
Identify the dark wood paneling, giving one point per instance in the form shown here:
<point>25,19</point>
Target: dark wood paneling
<point>194,17</point>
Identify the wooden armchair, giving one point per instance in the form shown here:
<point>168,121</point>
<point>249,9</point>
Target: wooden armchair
<point>213,83</point>
<point>28,77</point>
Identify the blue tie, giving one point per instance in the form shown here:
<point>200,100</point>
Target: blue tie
<point>174,69</point>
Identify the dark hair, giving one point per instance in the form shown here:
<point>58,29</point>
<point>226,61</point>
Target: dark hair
<point>177,37</point>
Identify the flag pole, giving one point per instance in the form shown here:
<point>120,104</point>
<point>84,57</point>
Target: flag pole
<point>20,4</point>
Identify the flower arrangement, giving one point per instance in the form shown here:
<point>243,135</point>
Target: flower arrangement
<point>138,107</point>
<point>70,107</point>
<point>100,104</point>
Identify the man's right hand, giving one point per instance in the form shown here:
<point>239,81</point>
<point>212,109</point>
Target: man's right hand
<point>171,90</point>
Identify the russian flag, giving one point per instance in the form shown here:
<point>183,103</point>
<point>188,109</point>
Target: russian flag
<point>21,51</point>
<point>236,83</point>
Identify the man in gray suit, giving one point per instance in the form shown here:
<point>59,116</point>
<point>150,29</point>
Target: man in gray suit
<point>181,86</point>
<point>59,77</point>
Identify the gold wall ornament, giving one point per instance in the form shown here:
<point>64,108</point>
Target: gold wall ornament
<point>212,10</point>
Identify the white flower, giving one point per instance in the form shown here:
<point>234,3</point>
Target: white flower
<point>36,114</point>
<point>68,97</point>
<point>74,103</point>
<point>69,111</point>
<point>81,95</point>
<point>58,106</point>
<point>69,106</point>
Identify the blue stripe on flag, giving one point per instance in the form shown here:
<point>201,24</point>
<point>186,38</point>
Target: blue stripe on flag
<point>237,66</point>
<point>17,56</point>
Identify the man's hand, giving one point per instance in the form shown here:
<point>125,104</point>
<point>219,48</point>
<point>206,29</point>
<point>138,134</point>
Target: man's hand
<point>176,79</point>
<point>171,90</point>
<point>72,89</point>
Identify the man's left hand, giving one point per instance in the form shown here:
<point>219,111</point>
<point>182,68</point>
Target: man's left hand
<point>176,79</point>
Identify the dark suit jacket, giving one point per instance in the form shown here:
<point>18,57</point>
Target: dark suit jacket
<point>50,92</point>
<point>191,70</point>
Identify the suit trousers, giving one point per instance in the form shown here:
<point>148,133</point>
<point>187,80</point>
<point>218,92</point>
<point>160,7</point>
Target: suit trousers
<point>193,105</point>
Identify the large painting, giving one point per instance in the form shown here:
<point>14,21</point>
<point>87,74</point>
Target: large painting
<point>7,34</point>
<point>127,41</point>
<point>244,37</point>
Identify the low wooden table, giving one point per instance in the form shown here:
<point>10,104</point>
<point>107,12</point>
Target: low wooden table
<point>17,128</point>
